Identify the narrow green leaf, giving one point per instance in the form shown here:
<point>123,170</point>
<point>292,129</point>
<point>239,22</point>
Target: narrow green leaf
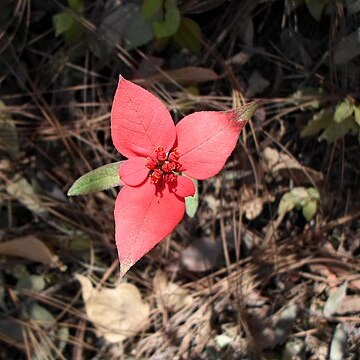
<point>102,178</point>
<point>189,35</point>
<point>170,25</point>
<point>343,111</point>
<point>192,202</point>
<point>150,7</point>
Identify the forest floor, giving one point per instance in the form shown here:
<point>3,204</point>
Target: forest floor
<point>268,268</point>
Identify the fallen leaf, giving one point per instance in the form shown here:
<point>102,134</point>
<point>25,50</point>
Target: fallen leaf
<point>349,304</point>
<point>256,84</point>
<point>117,313</point>
<point>31,248</point>
<point>170,296</point>
<point>251,204</point>
<point>202,254</point>
<point>338,343</point>
<point>334,300</point>
<point>184,76</point>
<point>20,189</point>
<point>274,161</point>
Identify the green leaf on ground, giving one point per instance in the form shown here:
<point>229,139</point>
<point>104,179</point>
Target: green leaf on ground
<point>150,7</point>
<point>192,202</point>
<point>189,35</point>
<point>75,5</point>
<point>300,197</point>
<point>357,114</point>
<point>138,31</point>
<point>170,25</point>
<point>102,178</point>
<point>337,130</point>
<point>343,111</point>
<point>320,121</point>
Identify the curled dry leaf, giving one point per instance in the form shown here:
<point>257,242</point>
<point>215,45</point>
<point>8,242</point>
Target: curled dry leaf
<point>117,313</point>
<point>170,296</point>
<point>31,248</point>
<point>276,162</point>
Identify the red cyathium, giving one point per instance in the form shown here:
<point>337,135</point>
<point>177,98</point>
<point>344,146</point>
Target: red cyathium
<point>162,159</point>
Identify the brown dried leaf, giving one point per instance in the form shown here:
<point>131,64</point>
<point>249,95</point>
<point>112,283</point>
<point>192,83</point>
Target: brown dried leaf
<point>350,304</point>
<point>202,254</point>
<point>274,161</point>
<point>117,313</point>
<point>170,296</point>
<point>251,204</point>
<point>185,76</point>
<point>31,248</point>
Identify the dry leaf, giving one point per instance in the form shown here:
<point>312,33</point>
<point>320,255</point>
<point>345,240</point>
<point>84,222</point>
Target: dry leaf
<point>202,254</point>
<point>117,313</point>
<point>274,161</point>
<point>184,76</point>
<point>349,304</point>
<point>335,300</point>
<point>31,248</point>
<point>169,295</point>
<point>251,204</point>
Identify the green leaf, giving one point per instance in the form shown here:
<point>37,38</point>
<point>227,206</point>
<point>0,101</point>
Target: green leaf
<point>321,120</point>
<point>39,313</point>
<point>309,209</point>
<point>343,111</point>
<point>192,202</point>
<point>170,25</point>
<point>138,31</point>
<point>189,35</point>
<point>75,5</point>
<point>316,8</point>
<point>299,197</point>
<point>102,178</point>
<point>357,114</point>
<point>337,130</point>
<point>150,7</point>
<point>63,22</point>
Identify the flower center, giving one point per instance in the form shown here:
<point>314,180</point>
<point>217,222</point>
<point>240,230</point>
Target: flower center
<point>164,166</point>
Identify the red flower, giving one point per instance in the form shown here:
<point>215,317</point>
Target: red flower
<point>162,159</point>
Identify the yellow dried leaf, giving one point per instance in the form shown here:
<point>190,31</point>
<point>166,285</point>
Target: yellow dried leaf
<point>117,313</point>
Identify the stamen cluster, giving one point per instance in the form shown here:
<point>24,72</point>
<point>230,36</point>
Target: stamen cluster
<point>164,166</point>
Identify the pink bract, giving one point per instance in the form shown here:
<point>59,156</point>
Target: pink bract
<point>162,159</point>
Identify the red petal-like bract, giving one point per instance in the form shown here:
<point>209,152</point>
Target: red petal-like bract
<point>142,219</point>
<point>139,121</point>
<point>133,171</point>
<point>205,141</point>
<point>184,186</point>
